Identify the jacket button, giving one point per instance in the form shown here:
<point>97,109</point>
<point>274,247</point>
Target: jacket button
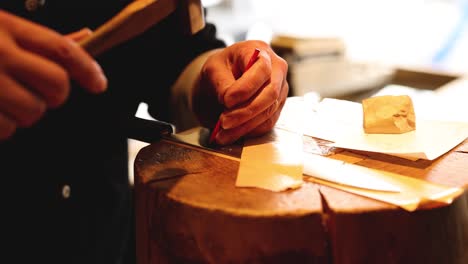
<point>66,191</point>
<point>33,5</point>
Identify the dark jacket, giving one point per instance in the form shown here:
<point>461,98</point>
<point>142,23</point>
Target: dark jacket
<point>65,195</point>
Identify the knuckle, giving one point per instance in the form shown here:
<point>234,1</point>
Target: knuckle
<point>8,53</point>
<point>275,92</point>
<point>249,112</point>
<point>283,63</point>
<point>36,111</point>
<point>234,96</point>
<point>208,73</point>
<point>65,49</point>
<point>270,111</point>
<point>286,90</point>
<point>280,106</point>
<point>239,116</point>
<point>241,93</point>
<point>209,67</point>
<point>266,67</point>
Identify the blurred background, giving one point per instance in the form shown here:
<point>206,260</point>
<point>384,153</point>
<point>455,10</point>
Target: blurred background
<point>337,47</point>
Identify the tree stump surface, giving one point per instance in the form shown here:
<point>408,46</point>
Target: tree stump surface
<point>188,210</point>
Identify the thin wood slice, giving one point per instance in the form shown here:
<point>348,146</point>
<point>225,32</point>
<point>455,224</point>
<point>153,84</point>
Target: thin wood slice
<point>189,211</point>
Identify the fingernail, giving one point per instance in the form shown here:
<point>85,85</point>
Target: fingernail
<point>226,123</point>
<point>102,83</point>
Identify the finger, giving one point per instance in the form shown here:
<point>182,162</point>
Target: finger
<point>19,103</point>
<point>79,35</point>
<point>265,98</point>
<point>268,125</point>
<point>227,136</point>
<point>217,73</point>
<point>258,125</point>
<point>7,127</point>
<point>250,82</point>
<point>78,63</point>
<point>47,79</point>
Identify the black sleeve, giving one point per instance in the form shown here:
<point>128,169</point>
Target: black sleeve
<point>144,69</point>
<point>171,52</point>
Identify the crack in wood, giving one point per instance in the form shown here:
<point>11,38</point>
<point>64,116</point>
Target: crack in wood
<point>326,224</point>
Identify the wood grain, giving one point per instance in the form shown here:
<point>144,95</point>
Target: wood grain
<point>198,215</point>
<point>189,211</point>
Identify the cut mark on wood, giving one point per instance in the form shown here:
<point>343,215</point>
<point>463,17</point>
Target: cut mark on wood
<point>169,174</point>
<point>202,150</point>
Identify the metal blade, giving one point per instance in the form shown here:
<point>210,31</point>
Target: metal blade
<point>199,137</point>
<point>345,174</point>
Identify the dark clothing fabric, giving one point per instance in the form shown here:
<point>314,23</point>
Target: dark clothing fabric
<point>81,147</point>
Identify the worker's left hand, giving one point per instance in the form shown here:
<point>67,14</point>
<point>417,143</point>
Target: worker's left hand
<point>248,103</point>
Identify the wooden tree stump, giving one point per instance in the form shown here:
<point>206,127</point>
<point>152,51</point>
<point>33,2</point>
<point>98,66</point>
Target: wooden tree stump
<point>188,210</point>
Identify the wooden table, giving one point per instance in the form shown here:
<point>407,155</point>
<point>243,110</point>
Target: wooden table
<point>189,211</point>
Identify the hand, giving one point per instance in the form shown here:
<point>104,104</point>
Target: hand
<point>36,65</point>
<point>249,102</point>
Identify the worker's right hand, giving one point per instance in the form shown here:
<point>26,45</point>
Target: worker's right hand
<point>36,66</point>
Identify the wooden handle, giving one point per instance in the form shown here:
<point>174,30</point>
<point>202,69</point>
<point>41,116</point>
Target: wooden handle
<point>133,20</point>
